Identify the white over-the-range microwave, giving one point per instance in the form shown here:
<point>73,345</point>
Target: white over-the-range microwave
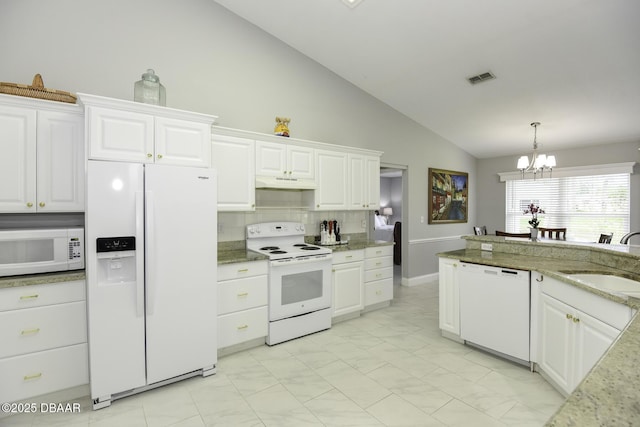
<point>41,250</point>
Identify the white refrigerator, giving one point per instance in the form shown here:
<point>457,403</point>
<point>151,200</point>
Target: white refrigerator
<point>151,239</point>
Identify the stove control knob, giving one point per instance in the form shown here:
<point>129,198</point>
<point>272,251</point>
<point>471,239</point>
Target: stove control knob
<point>301,228</point>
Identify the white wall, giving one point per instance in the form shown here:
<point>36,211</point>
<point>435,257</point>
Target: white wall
<point>213,62</point>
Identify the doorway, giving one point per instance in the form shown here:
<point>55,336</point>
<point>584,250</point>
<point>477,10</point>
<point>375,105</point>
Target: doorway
<point>392,212</point>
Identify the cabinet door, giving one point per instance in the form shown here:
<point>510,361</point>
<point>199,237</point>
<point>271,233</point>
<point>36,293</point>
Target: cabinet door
<point>18,159</point>
<point>593,338</point>
<point>182,143</point>
<point>556,337</point>
<point>271,159</point>
<point>234,160</point>
<point>120,135</point>
<point>301,162</point>
<point>372,182</point>
<point>449,296</point>
<point>357,198</point>
<point>331,193</point>
<point>60,176</point>
<point>348,290</point>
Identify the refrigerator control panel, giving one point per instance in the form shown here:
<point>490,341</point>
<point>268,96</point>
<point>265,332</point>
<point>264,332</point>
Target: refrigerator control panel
<point>115,244</point>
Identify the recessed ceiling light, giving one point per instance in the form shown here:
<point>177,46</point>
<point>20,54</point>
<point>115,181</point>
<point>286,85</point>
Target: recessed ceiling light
<point>352,3</point>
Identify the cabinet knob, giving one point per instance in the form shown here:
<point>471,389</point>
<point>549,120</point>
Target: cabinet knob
<point>159,156</point>
<point>576,319</point>
<point>569,316</point>
<point>149,155</point>
<point>290,172</point>
<point>41,204</point>
<point>29,205</point>
<point>317,206</point>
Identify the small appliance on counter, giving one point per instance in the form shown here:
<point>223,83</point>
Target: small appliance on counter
<point>33,251</point>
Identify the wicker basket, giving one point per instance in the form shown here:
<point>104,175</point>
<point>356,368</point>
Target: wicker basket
<point>37,90</point>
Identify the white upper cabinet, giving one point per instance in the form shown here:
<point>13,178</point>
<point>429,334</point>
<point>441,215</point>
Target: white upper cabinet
<point>372,182</point>
<point>141,133</point>
<point>234,160</point>
<point>287,165</point>
<point>331,193</point>
<point>42,156</point>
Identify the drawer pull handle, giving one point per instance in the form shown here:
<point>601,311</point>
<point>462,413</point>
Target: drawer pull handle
<point>32,377</point>
<point>349,256</point>
<point>378,274</point>
<point>378,263</point>
<point>34,296</point>
<point>243,327</point>
<point>243,294</point>
<point>378,252</point>
<point>244,270</point>
<point>30,331</point>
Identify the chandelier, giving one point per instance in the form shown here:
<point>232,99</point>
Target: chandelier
<point>539,162</point>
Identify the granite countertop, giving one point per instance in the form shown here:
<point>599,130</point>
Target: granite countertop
<point>41,279</point>
<point>610,393</point>
<point>230,254</point>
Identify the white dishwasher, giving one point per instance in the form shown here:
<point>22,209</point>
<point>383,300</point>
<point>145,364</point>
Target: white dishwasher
<point>495,309</point>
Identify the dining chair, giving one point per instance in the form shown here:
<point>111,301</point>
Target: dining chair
<point>605,238</point>
<point>553,233</point>
<point>480,230</point>
<point>505,234</point>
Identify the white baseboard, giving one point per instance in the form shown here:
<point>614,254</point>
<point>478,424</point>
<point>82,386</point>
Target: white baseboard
<point>419,280</point>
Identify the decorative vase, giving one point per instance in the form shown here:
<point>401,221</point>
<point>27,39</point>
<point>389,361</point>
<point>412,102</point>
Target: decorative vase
<point>534,233</point>
<point>149,90</point>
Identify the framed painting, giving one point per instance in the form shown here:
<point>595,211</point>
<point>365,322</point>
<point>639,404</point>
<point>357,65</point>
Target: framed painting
<point>448,196</point>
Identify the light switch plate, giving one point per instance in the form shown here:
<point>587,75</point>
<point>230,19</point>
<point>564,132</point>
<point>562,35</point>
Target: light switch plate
<point>486,246</point>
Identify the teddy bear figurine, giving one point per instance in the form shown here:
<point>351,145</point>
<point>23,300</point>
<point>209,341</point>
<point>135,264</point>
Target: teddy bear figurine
<point>282,128</point>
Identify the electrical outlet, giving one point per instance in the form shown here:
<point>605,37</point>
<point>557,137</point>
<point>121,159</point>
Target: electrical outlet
<point>486,246</point>
<point>421,220</point>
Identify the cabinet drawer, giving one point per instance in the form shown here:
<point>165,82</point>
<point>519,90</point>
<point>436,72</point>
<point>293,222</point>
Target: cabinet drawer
<point>43,372</point>
<point>380,262</point>
<point>378,291</point>
<point>242,326</point>
<point>40,295</point>
<point>242,294</point>
<point>242,269</point>
<point>42,328</point>
<point>612,313</point>
<point>378,274</point>
<point>377,251</point>
<point>347,256</point>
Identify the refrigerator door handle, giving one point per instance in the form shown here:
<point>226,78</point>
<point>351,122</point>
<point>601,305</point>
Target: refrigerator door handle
<point>140,254</point>
<point>150,247</point>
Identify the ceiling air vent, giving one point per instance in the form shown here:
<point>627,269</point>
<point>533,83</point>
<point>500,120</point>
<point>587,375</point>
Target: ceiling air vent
<point>481,78</point>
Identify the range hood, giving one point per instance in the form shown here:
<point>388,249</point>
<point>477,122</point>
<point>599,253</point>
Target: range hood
<point>285,183</point>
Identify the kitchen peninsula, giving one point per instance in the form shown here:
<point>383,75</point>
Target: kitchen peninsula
<point>610,392</point>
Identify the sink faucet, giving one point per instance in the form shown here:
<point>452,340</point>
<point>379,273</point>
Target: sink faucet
<point>626,237</point>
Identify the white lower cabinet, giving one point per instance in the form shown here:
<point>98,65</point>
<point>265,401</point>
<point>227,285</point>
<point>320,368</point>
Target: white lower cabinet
<point>449,296</point>
<point>43,329</point>
<point>347,281</point>
<point>378,275</point>
<point>243,313</point>
<point>574,329</point>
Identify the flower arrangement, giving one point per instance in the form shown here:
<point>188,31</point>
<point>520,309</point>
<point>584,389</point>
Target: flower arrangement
<point>534,211</point>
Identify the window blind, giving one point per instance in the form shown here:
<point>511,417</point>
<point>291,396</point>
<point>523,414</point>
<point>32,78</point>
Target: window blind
<point>585,205</point>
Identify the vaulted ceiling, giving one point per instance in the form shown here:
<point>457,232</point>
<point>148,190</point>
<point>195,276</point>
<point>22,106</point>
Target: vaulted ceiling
<point>573,65</point>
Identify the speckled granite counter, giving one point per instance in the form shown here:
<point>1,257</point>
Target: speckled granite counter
<point>233,252</point>
<point>41,279</point>
<point>610,394</point>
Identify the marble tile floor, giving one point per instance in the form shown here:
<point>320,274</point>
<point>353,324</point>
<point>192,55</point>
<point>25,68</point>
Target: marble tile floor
<point>389,367</point>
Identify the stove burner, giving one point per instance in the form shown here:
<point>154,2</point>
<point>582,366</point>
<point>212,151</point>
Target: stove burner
<point>299,245</point>
<point>310,248</point>
<point>278,252</point>
<point>269,248</point>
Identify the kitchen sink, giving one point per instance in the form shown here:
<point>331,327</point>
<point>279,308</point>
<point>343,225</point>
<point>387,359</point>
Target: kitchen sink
<point>608,282</point>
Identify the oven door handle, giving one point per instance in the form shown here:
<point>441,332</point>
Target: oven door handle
<point>298,261</point>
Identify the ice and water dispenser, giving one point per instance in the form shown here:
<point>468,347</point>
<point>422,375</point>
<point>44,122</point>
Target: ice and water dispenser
<point>116,259</point>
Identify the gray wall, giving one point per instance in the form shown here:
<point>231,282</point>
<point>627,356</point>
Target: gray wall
<point>213,62</point>
<point>491,192</point>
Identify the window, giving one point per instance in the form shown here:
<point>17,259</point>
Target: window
<point>585,205</point>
